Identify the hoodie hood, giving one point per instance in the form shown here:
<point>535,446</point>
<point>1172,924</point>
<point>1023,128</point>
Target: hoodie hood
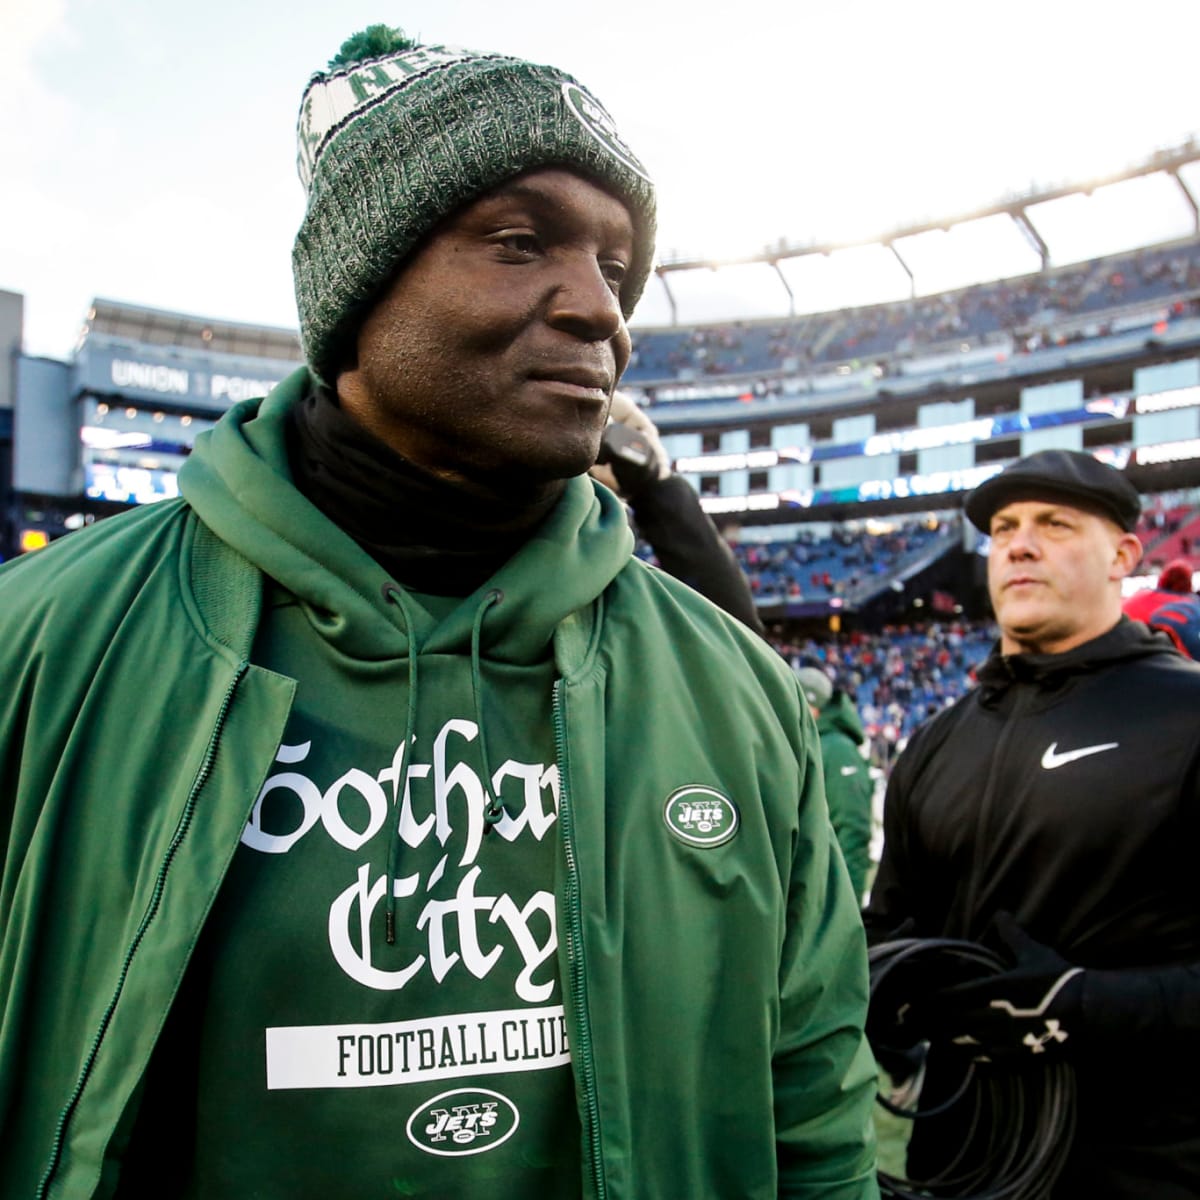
<point>841,715</point>
<point>239,483</point>
<point>1126,640</point>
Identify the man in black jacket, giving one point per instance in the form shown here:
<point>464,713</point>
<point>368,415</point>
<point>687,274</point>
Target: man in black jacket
<point>1053,813</point>
<point>667,514</point>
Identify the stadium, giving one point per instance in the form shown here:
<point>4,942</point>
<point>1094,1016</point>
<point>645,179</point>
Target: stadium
<point>832,448</point>
<point>831,429</point>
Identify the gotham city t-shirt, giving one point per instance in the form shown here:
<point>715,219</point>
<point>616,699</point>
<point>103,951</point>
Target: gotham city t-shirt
<point>312,1057</point>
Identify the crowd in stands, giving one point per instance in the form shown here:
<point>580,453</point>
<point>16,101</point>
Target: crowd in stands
<point>899,676</point>
<point>896,677</point>
<point>847,563</point>
<point>1027,308</point>
<point>809,567</point>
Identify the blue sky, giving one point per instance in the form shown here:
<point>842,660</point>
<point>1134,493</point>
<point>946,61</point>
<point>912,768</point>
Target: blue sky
<point>150,157</point>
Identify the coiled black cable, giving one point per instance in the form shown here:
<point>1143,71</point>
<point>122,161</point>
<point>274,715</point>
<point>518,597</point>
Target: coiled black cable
<point>1014,1123</point>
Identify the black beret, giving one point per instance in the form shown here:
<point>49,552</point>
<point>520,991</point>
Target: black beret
<point>1069,475</point>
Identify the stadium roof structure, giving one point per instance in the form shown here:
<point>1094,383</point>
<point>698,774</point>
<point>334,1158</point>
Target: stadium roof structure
<point>1168,164</point>
<point>157,326</point>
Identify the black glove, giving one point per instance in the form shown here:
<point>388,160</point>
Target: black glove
<point>631,455</point>
<point>1032,1009</point>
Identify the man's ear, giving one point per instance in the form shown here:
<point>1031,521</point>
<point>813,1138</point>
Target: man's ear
<point>1128,553</point>
<point>346,380</point>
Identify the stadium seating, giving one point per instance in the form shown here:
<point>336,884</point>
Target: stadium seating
<point>899,676</point>
<point>1184,543</point>
<point>850,564</point>
<point>1029,309</point>
<point>853,565</point>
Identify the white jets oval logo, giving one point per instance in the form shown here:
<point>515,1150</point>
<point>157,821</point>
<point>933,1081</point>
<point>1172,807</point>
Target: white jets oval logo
<point>588,111</point>
<point>701,816</point>
<point>468,1121</point>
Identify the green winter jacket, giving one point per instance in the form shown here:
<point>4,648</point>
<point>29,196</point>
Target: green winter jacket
<point>848,785</point>
<point>715,987</point>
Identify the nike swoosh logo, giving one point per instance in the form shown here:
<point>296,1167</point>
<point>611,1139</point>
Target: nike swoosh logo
<point>1052,758</point>
<point>849,770</point>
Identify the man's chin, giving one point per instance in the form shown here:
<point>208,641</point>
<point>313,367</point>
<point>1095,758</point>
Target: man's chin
<point>1021,623</point>
<point>1041,634</point>
<point>555,466</point>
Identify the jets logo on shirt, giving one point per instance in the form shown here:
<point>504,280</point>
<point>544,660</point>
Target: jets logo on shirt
<point>700,816</point>
<point>467,1121</point>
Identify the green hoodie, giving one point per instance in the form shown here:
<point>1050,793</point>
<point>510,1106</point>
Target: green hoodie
<point>710,963</point>
<point>848,785</point>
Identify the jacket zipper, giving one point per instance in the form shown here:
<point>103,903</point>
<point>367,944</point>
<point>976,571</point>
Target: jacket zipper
<point>983,820</point>
<point>181,829</point>
<point>582,1039</point>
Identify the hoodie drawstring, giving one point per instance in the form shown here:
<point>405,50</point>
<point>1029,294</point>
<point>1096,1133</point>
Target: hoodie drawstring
<point>394,594</point>
<point>493,809</point>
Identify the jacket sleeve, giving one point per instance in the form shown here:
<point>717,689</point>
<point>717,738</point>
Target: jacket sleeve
<point>20,662</point>
<point>1156,1009</point>
<point>848,789</point>
<point>1152,1009</point>
<point>824,1074</point>
<point>909,896</point>
<point>689,546</point>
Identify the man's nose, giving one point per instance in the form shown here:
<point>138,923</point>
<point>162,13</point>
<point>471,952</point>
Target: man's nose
<point>584,302</point>
<point>1023,542</point>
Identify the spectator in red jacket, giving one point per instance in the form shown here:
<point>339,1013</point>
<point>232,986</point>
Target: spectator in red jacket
<point>1171,607</point>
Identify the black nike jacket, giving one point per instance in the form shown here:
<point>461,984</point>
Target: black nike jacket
<point>1065,789</point>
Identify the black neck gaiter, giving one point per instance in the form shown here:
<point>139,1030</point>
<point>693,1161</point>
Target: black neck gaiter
<point>427,534</point>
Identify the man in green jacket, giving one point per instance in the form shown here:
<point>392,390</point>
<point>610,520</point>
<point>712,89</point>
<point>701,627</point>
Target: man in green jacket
<point>848,786</point>
<point>375,823</point>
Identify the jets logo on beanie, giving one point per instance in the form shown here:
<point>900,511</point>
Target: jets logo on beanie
<point>392,143</point>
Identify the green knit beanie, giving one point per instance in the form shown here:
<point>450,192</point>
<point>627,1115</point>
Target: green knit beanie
<point>391,144</point>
